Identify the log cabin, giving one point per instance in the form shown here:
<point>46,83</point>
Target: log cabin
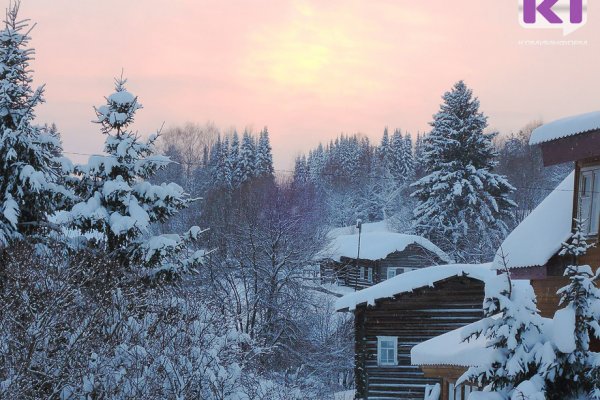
<point>393,316</point>
<point>360,260</point>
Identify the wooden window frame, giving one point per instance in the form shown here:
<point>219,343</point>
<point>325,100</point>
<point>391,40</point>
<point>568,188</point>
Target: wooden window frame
<point>370,274</point>
<point>380,340</point>
<point>589,172</point>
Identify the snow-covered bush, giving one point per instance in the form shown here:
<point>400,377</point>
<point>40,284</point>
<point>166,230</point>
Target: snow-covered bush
<point>67,333</point>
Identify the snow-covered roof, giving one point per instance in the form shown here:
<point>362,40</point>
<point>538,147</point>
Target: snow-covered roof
<point>542,233</point>
<point>566,127</point>
<point>367,227</point>
<point>451,349</point>
<point>409,281</point>
<point>376,246</point>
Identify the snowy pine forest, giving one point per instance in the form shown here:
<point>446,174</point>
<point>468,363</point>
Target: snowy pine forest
<point>174,264</point>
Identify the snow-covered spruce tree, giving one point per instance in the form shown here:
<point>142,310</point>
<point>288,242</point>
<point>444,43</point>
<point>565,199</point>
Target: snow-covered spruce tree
<point>418,156</point>
<point>513,329</point>
<point>224,165</point>
<point>264,156</point>
<point>460,197</point>
<point>577,321</point>
<point>233,161</point>
<point>395,156</point>
<point>408,164</point>
<point>247,164</point>
<point>29,155</point>
<point>301,173</point>
<point>119,204</point>
<point>384,147</point>
<point>316,162</point>
<point>214,161</point>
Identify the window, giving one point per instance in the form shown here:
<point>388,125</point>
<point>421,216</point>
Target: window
<point>361,274</point>
<point>589,200</point>
<point>370,274</point>
<point>387,350</point>
<point>392,272</point>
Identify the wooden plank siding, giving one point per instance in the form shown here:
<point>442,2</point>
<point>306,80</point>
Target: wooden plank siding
<point>571,148</point>
<point>347,271</point>
<point>414,318</point>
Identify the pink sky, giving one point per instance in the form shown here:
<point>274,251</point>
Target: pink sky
<point>309,70</point>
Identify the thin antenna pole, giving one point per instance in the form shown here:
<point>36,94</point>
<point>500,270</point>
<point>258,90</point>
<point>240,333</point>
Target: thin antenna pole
<point>359,226</point>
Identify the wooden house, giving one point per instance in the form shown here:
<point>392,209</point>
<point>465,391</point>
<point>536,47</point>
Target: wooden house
<point>395,315</point>
<point>531,251</point>
<point>363,260</point>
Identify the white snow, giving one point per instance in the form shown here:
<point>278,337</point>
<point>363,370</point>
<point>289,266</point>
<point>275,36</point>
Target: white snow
<point>433,392</point>
<point>121,224</point>
<point>376,246</point>
<point>11,210</point>
<point>121,97</point>
<point>564,127</point>
<point>485,396</point>
<point>379,226</point>
<point>409,281</point>
<point>564,330</point>
<point>531,389</point>
<point>451,349</point>
<point>541,234</point>
<point>345,395</point>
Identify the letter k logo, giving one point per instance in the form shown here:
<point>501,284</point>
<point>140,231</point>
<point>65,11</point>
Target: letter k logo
<point>530,10</point>
<point>566,15</point>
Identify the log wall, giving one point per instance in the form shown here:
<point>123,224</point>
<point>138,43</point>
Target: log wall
<point>413,318</point>
<point>347,271</point>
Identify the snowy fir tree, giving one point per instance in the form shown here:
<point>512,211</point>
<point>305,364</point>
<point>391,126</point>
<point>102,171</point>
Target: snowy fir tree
<point>408,162</point>
<point>384,147</point>
<point>460,197</point>
<point>214,162</point>
<point>119,204</point>
<point>233,161</point>
<point>513,329</point>
<point>419,164</point>
<point>576,372</point>
<point>301,172</point>
<point>316,162</point>
<point>31,164</point>
<point>395,153</point>
<point>224,166</point>
<point>247,159</point>
<point>264,157</point>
